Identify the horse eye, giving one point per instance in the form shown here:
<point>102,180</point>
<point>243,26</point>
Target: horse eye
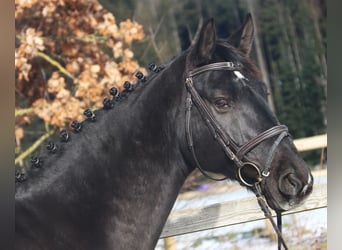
<point>222,103</point>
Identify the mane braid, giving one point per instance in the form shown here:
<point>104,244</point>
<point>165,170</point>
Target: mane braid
<point>65,135</point>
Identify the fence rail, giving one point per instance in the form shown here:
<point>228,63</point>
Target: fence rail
<point>310,143</point>
<point>242,210</point>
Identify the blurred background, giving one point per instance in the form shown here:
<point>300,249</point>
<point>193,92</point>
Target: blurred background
<point>69,53</point>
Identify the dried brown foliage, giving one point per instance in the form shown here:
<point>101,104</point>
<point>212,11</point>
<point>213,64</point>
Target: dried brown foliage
<point>68,54</point>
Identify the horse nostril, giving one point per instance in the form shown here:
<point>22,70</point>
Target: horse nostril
<point>290,185</point>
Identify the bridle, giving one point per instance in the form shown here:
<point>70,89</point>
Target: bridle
<point>231,149</point>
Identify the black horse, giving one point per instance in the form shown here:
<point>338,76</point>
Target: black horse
<point>111,183</point>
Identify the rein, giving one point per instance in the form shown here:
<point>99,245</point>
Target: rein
<point>231,149</point>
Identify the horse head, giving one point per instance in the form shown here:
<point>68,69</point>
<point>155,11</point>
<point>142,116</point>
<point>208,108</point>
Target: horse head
<point>230,128</point>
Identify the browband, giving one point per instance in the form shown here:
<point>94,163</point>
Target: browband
<point>215,66</point>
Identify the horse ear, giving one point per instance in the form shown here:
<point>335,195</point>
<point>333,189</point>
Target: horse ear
<point>204,45</point>
<point>243,37</point>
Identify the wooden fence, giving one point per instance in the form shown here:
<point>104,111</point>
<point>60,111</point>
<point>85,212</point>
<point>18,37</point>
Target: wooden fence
<point>242,210</point>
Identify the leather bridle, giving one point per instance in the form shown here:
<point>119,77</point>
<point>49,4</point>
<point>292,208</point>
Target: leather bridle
<point>231,149</point>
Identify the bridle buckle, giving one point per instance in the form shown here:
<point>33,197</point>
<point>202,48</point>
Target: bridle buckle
<point>265,174</point>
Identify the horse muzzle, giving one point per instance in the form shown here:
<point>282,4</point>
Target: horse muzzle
<point>292,192</point>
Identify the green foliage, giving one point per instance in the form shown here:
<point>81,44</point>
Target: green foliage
<point>122,9</point>
<point>292,47</point>
<point>296,60</point>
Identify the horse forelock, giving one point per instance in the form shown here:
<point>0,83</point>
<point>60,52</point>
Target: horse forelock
<point>227,52</point>
<point>230,53</point>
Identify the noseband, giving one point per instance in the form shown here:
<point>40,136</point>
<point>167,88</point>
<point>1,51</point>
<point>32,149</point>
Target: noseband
<point>231,149</point>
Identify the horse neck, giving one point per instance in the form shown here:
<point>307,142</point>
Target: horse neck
<point>123,172</point>
<point>154,169</point>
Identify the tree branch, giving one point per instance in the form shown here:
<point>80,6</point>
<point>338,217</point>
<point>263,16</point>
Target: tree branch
<point>20,112</point>
<point>55,63</point>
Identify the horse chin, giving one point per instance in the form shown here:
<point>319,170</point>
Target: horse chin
<point>281,203</point>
